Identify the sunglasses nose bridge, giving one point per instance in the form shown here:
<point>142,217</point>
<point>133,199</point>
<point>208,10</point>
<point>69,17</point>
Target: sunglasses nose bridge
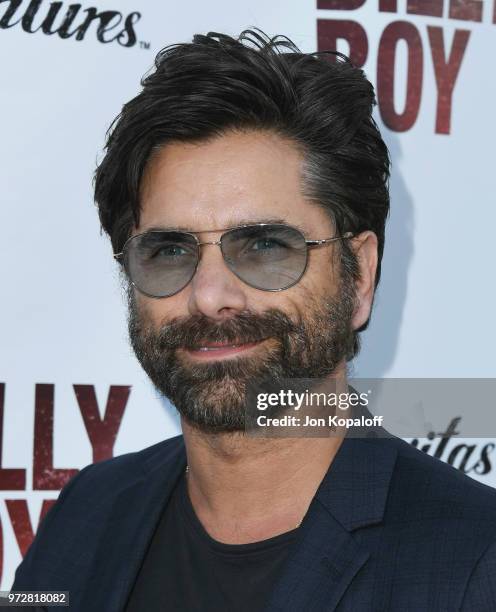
<point>219,243</point>
<point>215,242</point>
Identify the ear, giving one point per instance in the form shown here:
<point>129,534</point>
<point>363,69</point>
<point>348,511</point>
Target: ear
<point>365,248</point>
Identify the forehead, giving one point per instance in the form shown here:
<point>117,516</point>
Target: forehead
<point>235,178</point>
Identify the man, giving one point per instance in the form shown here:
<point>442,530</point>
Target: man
<point>245,192</point>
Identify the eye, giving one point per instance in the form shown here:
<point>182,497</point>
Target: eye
<point>169,251</point>
<point>266,244</point>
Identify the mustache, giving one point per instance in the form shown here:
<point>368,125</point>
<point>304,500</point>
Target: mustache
<point>245,327</point>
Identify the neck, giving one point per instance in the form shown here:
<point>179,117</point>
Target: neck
<point>246,489</point>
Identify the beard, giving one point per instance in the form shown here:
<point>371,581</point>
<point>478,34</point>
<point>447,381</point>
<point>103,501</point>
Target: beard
<point>211,396</point>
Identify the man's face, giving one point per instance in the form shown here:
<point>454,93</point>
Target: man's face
<point>302,332</point>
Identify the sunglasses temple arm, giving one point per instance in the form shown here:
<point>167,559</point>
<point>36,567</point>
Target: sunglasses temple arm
<point>326,240</point>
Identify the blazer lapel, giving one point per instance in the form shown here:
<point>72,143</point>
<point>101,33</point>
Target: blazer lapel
<point>327,555</point>
<point>132,520</point>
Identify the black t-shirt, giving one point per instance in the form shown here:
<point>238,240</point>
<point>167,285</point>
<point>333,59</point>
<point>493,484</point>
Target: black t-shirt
<point>186,570</point>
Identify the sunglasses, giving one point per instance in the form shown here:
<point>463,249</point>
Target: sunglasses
<point>266,256</point>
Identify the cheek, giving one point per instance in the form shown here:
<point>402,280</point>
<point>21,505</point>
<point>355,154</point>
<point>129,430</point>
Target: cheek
<point>318,283</point>
<point>292,302</point>
<point>156,311</point>
<point>322,274</point>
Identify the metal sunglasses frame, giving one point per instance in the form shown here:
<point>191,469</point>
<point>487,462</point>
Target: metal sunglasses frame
<point>309,243</point>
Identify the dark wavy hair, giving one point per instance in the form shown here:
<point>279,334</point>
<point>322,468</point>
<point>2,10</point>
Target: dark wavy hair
<point>217,83</point>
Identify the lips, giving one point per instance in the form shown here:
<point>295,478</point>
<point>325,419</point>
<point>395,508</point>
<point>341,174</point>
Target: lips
<point>217,347</point>
<point>212,346</point>
<point>222,349</point>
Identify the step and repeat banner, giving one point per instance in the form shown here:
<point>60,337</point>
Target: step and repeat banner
<point>71,392</point>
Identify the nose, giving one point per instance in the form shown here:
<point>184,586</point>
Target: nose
<point>215,291</point>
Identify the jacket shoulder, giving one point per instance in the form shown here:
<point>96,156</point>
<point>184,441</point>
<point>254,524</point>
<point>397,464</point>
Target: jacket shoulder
<point>77,518</point>
<point>145,460</point>
<point>425,484</point>
<point>106,478</point>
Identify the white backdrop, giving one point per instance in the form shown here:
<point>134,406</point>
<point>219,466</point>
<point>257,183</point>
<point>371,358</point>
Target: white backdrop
<point>63,315</point>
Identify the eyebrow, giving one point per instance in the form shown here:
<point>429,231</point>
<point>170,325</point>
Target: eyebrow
<point>232,224</point>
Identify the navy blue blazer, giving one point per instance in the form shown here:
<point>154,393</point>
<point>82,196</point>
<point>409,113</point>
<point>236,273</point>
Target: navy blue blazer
<point>389,528</point>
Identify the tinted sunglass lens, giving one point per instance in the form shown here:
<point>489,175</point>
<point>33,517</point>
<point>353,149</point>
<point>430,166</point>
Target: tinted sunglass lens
<point>161,263</point>
<point>270,257</point>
